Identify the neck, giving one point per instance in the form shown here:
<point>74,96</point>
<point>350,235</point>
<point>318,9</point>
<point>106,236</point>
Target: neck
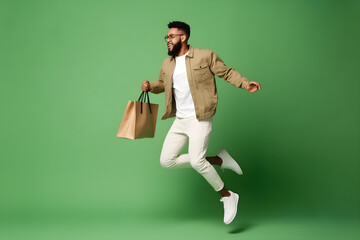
<point>184,49</point>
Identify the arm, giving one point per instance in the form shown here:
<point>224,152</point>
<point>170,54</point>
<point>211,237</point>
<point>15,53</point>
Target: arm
<point>230,75</point>
<point>155,86</point>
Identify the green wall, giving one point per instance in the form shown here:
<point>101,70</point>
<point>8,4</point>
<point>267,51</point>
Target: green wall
<point>68,68</point>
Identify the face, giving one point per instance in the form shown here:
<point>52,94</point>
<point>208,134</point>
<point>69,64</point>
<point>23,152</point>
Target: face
<point>176,36</point>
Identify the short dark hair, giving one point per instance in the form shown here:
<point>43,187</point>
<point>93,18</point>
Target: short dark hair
<point>180,25</point>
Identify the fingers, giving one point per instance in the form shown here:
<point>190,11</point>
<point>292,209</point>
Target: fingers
<point>254,86</point>
<point>255,83</point>
<point>145,86</point>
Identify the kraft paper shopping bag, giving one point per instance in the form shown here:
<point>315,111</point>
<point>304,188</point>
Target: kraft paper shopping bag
<point>139,120</point>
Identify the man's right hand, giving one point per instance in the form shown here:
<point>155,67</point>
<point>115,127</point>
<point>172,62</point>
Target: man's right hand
<point>145,86</point>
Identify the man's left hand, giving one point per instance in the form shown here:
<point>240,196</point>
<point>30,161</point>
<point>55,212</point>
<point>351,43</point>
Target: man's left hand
<point>253,86</point>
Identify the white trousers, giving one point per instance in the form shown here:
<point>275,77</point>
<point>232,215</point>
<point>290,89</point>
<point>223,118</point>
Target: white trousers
<point>197,132</point>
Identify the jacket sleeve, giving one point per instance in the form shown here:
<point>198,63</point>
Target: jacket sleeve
<point>229,74</point>
<point>158,85</point>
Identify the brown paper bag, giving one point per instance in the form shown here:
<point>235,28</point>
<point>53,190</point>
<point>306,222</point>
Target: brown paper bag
<point>139,120</point>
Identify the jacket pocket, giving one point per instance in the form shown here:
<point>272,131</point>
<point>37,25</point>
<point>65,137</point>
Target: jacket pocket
<point>200,67</point>
<point>202,72</point>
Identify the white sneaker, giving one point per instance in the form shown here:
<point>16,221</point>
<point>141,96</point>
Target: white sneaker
<point>229,162</point>
<point>230,207</point>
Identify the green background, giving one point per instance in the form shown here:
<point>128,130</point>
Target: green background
<point>68,68</point>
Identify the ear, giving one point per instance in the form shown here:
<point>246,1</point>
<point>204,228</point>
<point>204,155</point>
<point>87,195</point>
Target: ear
<point>183,38</point>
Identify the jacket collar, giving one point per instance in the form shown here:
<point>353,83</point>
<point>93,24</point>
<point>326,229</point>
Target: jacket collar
<point>190,54</point>
<point>191,51</point>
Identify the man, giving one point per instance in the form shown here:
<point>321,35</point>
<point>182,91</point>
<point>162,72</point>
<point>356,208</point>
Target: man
<point>187,78</point>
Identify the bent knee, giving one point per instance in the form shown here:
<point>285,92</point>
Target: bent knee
<point>165,162</point>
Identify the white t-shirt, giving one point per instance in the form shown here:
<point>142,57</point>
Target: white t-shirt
<point>184,101</point>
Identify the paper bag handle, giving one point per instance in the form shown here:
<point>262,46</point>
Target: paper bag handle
<point>142,99</point>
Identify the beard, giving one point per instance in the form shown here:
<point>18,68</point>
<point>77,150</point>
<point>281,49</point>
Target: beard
<point>176,49</point>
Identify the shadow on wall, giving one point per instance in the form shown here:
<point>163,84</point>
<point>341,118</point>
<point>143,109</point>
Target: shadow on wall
<point>266,185</point>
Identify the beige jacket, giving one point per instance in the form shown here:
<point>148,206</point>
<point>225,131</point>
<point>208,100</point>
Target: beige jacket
<point>201,67</point>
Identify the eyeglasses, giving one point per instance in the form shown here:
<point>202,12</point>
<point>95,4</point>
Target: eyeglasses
<point>171,36</point>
